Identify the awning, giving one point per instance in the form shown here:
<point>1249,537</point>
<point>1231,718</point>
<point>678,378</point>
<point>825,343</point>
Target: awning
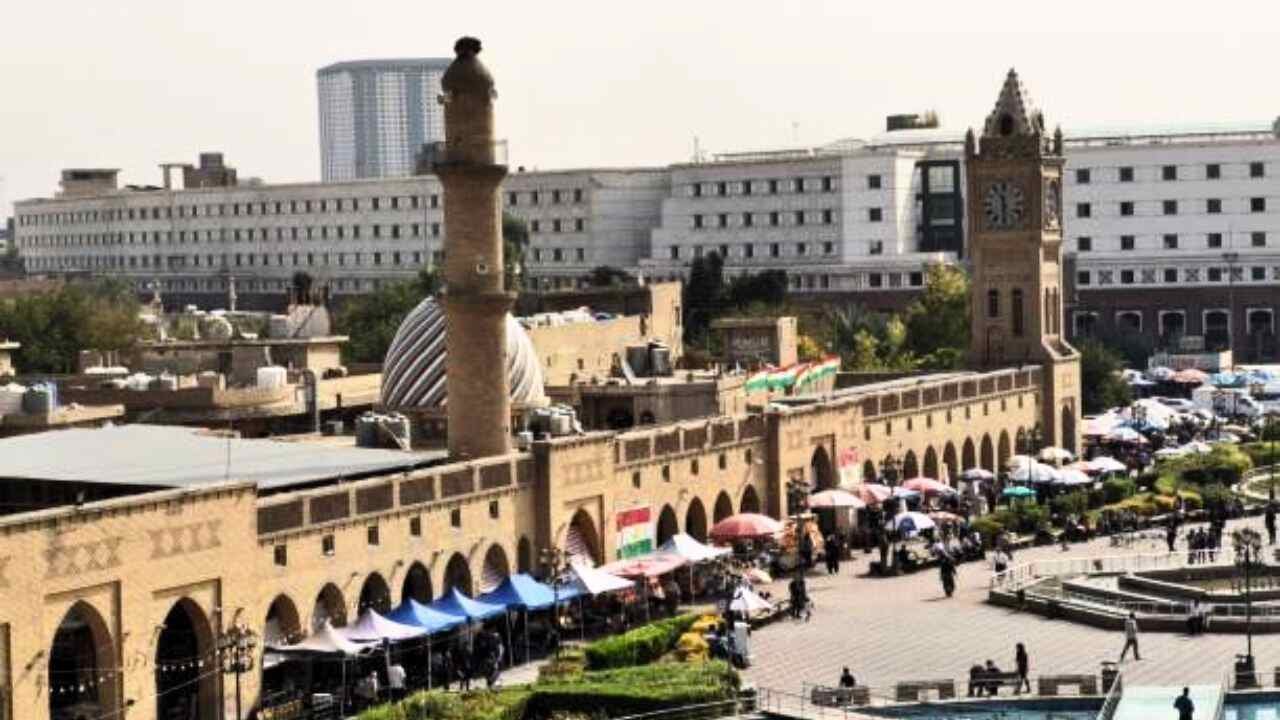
<point>746,601</point>
<point>372,626</point>
<point>685,546</point>
<point>325,641</point>
<point>457,604</point>
<point>649,566</point>
<point>520,591</point>
<point>585,580</point>
<point>412,612</point>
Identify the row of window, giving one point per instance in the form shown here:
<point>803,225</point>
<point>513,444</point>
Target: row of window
<point>558,255</point>
<point>341,284</point>
<point>276,207</point>
<point>534,197</point>
<point>1052,303</point>
<point>1174,322</point>
<point>748,250</point>
<point>558,225</point>
<point>1151,276</point>
<point>320,232</point>
<point>173,262</point>
<point>1212,206</point>
<point>1210,171</point>
<point>772,219</point>
<point>771,186</point>
<point>1170,241</point>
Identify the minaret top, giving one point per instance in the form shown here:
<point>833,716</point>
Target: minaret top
<point>1014,113</point>
<point>466,74</point>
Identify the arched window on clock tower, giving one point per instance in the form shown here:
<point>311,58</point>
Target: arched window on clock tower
<point>1015,312</point>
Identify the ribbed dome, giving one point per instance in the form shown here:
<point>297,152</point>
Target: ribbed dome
<point>413,373</point>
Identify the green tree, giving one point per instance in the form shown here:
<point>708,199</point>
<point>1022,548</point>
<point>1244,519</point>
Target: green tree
<point>938,323</point>
<point>371,321</point>
<point>608,275</point>
<point>1100,378</point>
<point>764,290</point>
<point>703,296</point>
<point>54,327</point>
<point>515,243</point>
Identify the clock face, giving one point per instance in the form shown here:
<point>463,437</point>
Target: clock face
<point>1003,205</point>
<point>1052,204</point>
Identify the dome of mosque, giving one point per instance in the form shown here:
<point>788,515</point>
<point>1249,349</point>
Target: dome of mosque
<point>413,373</point>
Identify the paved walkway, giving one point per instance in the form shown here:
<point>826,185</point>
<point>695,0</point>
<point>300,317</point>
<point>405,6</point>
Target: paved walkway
<point>904,628</point>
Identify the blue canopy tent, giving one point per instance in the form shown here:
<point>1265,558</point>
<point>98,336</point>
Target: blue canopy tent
<point>412,612</point>
<point>524,593</point>
<point>454,602</point>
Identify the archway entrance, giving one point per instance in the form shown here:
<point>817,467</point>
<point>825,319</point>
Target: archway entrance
<point>620,419</point>
<point>1068,428</point>
<point>495,569</point>
<point>724,507</point>
<point>1003,455</point>
<point>1021,442</point>
<point>988,454</point>
<point>330,606</point>
<point>186,665</point>
<point>750,501</point>
<point>1217,330</point>
<point>868,472</point>
<point>910,466</point>
<point>820,475</point>
<point>82,666</point>
<point>949,460</point>
<point>968,457</point>
<point>282,626</point>
<point>931,463</point>
<point>524,556</point>
<point>582,542</point>
<point>457,574</point>
<point>667,526</point>
<point>695,521</point>
<point>375,595</point>
<point>417,584</point>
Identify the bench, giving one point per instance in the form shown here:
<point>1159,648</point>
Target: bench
<point>910,691</point>
<point>840,696</point>
<point>986,683</point>
<point>1048,685</point>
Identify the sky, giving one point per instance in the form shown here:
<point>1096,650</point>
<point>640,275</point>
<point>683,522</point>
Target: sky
<point>133,83</point>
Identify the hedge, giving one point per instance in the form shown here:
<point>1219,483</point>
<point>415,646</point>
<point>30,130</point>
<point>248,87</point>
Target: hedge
<point>506,704</point>
<point>642,645</point>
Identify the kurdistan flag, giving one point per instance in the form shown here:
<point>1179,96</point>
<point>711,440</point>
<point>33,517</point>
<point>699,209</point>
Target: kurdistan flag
<point>807,374</point>
<point>783,377</point>
<point>758,380</point>
<point>829,366</point>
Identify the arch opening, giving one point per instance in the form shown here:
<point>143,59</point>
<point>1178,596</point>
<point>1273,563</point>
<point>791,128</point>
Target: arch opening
<point>1068,428</point>
<point>495,570</point>
<point>457,574</point>
<point>723,508</point>
<point>950,462</point>
<point>821,476</point>
<point>988,454</point>
<point>417,584</point>
<point>695,520</point>
<point>283,625</point>
<point>81,665</point>
<point>375,595</point>
<point>185,665</point>
<point>330,607</point>
<point>524,555</point>
<point>910,466</point>
<point>582,542</point>
<point>931,463</point>
<point>1003,450</point>
<point>750,501</point>
<point>968,456</point>
<point>667,525</point>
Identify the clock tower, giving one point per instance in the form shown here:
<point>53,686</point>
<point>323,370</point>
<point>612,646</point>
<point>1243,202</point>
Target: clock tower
<point>1014,177</point>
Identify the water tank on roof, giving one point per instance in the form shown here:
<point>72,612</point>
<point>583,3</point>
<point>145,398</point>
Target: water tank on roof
<point>39,400</point>
<point>660,360</point>
<point>638,359</point>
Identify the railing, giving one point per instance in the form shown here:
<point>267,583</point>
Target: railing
<point>1019,576</point>
<point>1108,710</point>
<point>1157,607</point>
<point>720,708</point>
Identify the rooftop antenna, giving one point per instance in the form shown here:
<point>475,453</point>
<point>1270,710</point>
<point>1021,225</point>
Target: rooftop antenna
<point>697,150</point>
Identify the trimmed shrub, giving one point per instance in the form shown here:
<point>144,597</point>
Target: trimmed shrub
<point>1117,489</point>
<point>639,646</point>
<point>634,690</point>
<point>988,527</point>
<point>1072,503</point>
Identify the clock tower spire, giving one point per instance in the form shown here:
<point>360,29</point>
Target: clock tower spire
<point>1014,177</point>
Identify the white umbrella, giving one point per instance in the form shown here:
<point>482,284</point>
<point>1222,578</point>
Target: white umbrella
<point>1124,434</point>
<point>911,522</point>
<point>1035,473</point>
<point>1071,476</point>
<point>747,602</point>
<point>1056,454</point>
<point>1170,452</point>
<point>978,474</point>
<point>835,499</point>
<point>1104,464</point>
<point>1018,461</point>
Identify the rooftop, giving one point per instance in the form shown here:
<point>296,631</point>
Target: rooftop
<point>387,64</point>
<point>163,456</point>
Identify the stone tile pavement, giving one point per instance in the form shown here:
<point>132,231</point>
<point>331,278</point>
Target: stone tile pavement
<point>905,628</point>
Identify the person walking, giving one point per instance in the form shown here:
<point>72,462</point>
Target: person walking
<point>1130,637</point>
<point>1270,521</point>
<point>1024,668</point>
<point>1186,709</point>
<point>947,569</point>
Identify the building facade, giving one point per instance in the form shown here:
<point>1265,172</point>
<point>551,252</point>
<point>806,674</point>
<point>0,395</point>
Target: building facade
<point>375,116</point>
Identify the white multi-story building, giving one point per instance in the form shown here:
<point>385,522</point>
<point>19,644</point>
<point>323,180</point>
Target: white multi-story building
<point>375,116</point>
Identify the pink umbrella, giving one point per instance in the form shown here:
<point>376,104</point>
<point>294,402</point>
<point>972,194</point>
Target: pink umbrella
<point>835,499</point>
<point>659,563</point>
<point>874,494</point>
<point>1191,376</point>
<point>745,526</point>
<point>926,486</point>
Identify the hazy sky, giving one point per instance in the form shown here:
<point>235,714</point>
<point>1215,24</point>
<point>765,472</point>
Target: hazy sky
<point>132,83</point>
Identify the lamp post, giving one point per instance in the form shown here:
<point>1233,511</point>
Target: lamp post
<point>553,560</point>
<point>1248,546</point>
<point>235,649</point>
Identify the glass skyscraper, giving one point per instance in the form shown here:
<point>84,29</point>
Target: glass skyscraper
<point>376,114</point>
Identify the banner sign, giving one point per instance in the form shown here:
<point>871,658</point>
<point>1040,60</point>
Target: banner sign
<point>635,532</point>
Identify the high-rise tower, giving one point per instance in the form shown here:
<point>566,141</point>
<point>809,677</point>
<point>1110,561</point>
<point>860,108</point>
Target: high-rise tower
<point>475,299</point>
<point>1015,202</point>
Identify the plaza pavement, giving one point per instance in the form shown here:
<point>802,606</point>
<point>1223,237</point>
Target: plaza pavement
<point>905,628</point>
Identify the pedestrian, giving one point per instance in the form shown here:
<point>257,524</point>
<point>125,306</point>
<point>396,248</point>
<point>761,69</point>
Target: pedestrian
<point>1024,668</point>
<point>1270,520</point>
<point>1000,560</point>
<point>1171,535</point>
<point>1186,709</point>
<point>947,569</point>
<point>829,554</point>
<point>395,682</point>
<point>846,679</point>
<point>1131,637</point>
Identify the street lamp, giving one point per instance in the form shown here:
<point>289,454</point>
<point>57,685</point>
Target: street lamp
<point>235,648</point>
<point>1248,546</point>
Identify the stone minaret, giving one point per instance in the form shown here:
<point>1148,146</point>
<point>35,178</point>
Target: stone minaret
<point>475,299</point>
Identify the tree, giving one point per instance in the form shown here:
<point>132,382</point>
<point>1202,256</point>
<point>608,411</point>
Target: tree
<point>703,295</point>
<point>515,242</point>
<point>302,283</point>
<point>54,327</point>
<point>371,321</point>
<point>938,322</point>
<point>767,289</point>
<point>1100,379</point>
<point>608,275</point>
